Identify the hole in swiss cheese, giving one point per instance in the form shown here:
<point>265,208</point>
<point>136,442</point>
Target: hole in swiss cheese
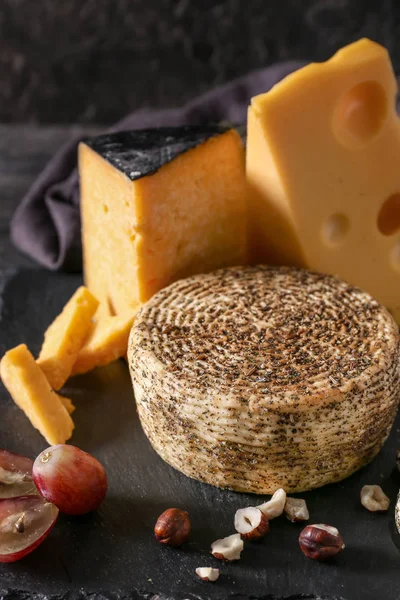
<point>336,228</point>
<point>360,114</point>
<point>389,215</point>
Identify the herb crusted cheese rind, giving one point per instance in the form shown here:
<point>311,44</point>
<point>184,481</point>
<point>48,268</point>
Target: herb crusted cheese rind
<point>266,377</point>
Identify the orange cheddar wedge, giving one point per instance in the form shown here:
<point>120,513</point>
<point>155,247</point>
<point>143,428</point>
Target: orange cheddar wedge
<point>66,336</point>
<point>31,391</point>
<point>107,342</point>
<point>158,205</point>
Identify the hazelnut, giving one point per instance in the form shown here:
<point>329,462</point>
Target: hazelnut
<point>251,523</point>
<point>296,510</point>
<point>320,542</point>
<point>228,548</point>
<point>274,507</point>
<point>374,499</point>
<point>207,573</point>
<point>172,527</point>
<point>398,460</point>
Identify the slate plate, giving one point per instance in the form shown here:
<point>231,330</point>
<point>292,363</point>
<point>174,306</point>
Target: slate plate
<point>112,554</point>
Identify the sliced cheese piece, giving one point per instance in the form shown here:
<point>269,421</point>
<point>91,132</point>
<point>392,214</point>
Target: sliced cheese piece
<point>107,342</point>
<point>323,153</point>
<point>66,336</point>
<point>158,205</point>
<point>104,310</point>
<point>31,391</point>
<point>67,403</point>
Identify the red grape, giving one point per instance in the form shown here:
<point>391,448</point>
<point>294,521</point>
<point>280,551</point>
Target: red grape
<point>71,479</point>
<point>24,523</point>
<point>15,475</point>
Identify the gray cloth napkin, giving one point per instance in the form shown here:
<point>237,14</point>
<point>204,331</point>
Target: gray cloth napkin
<point>46,224</point>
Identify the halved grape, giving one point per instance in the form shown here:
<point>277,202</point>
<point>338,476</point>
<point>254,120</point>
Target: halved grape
<point>70,478</point>
<point>15,475</point>
<point>14,468</point>
<point>24,523</point>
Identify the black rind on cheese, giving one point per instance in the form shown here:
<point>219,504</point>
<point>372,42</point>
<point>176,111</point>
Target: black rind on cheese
<point>142,152</point>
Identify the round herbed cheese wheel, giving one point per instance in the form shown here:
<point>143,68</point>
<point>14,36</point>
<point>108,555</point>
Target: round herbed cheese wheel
<point>255,378</point>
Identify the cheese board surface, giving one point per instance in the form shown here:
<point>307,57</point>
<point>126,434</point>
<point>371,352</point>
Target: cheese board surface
<point>113,554</point>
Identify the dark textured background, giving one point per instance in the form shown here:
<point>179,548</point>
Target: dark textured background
<point>92,61</point>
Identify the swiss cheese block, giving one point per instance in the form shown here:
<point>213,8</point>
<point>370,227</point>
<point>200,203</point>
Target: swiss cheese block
<point>66,336</point>
<point>323,155</point>
<point>107,342</point>
<point>31,391</point>
<point>158,205</point>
